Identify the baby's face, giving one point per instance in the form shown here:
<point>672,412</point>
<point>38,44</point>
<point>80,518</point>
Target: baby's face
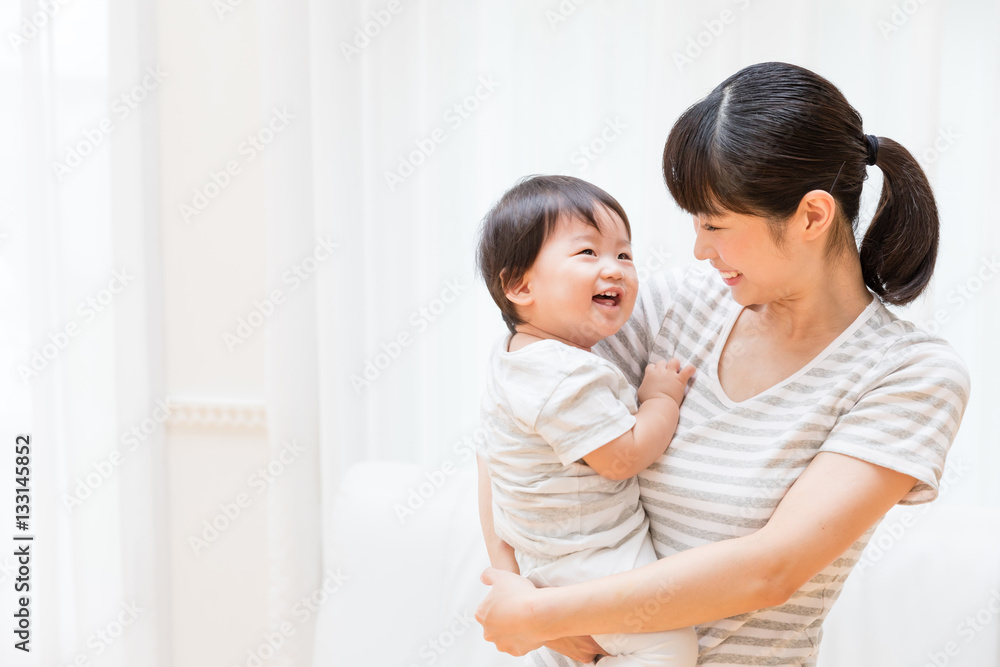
<point>583,283</point>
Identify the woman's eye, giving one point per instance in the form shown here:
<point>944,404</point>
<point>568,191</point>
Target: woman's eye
<point>709,228</point>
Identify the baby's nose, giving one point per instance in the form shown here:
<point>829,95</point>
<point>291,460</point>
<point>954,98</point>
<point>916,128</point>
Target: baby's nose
<point>612,270</point>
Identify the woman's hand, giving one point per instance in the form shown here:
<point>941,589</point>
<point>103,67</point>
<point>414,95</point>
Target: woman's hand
<point>506,612</point>
<point>506,619</point>
<point>582,649</point>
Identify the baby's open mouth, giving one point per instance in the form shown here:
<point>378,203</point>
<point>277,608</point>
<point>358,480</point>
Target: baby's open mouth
<point>608,298</point>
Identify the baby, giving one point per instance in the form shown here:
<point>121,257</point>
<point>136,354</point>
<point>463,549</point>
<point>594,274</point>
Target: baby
<point>564,436</point>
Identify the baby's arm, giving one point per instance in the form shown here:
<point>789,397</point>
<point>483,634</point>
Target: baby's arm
<point>660,396</point>
<point>501,554</point>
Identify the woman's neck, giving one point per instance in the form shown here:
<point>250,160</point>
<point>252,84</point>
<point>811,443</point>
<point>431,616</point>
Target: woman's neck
<point>822,310</point>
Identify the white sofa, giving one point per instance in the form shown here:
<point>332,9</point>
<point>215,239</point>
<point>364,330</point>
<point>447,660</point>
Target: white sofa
<point>407,538</point>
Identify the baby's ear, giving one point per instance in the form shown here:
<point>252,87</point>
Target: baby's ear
<point>518,292</point>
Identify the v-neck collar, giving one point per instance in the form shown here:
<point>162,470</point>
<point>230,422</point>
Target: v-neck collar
<point>724,340</point>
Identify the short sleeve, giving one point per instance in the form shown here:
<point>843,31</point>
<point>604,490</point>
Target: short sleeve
<point>909,418</point>
<point>589,408</point>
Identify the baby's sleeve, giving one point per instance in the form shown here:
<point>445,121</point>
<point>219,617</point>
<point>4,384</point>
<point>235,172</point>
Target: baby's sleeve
<point>909,418</point>
<point>589,408</point>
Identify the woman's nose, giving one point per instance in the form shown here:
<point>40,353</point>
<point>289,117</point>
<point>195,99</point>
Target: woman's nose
<point>702,249</point>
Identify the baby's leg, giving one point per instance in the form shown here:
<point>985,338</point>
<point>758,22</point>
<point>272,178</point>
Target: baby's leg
<point>676,648</point>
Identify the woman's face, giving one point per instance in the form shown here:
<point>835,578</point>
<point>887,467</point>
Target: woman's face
<point>741,249</point>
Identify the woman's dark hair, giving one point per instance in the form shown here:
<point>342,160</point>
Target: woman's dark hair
<point>773,132</point>
<point>513,231</point>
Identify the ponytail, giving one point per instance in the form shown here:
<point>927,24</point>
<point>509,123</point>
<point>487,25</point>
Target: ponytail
<point>773,132</point>
<point>900,247</point>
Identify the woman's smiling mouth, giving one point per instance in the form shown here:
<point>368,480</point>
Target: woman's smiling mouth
<point>730,277</point>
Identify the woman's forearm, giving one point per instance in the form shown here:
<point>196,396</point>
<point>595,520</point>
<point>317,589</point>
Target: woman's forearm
<point>832,504</point>
<point>715,581</point>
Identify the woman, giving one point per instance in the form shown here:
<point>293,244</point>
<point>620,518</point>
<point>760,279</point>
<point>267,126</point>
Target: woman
<point>814,410</point>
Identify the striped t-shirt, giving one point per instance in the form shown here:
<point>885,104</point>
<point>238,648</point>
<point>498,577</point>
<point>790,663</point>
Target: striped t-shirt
<point>545,407</point>
<point>883,391</point>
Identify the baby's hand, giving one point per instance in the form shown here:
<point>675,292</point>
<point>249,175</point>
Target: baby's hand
<point>665,379</point>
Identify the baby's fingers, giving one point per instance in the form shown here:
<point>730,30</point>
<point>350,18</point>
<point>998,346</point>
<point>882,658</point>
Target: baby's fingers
<point>686,374</point>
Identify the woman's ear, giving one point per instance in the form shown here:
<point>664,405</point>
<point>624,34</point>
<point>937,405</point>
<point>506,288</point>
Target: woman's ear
<point>817,214</point>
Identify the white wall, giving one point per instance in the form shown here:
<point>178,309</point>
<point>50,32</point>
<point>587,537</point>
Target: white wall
<point>214,267</point>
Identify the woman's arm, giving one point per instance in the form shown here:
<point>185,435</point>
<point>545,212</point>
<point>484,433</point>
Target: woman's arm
<point>832,504</point>
<point>501,554</point>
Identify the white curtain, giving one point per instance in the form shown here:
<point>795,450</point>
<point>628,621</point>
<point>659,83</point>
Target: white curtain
<point>410,119</point>
<point>80,291</point>
<point>425,114</point>
<point>295,238</point>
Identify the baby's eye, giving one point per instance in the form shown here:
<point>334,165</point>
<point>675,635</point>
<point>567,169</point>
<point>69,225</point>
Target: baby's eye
<point>588,251</point>
<point>625,256</point>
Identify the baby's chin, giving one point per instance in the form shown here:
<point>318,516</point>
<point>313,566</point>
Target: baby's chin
<point>592,337</point>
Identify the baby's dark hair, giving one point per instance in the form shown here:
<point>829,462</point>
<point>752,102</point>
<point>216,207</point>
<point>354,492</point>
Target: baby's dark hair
<point>514,230</point>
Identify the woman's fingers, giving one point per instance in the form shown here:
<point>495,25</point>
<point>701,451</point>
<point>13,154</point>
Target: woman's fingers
<point>581,649</point>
